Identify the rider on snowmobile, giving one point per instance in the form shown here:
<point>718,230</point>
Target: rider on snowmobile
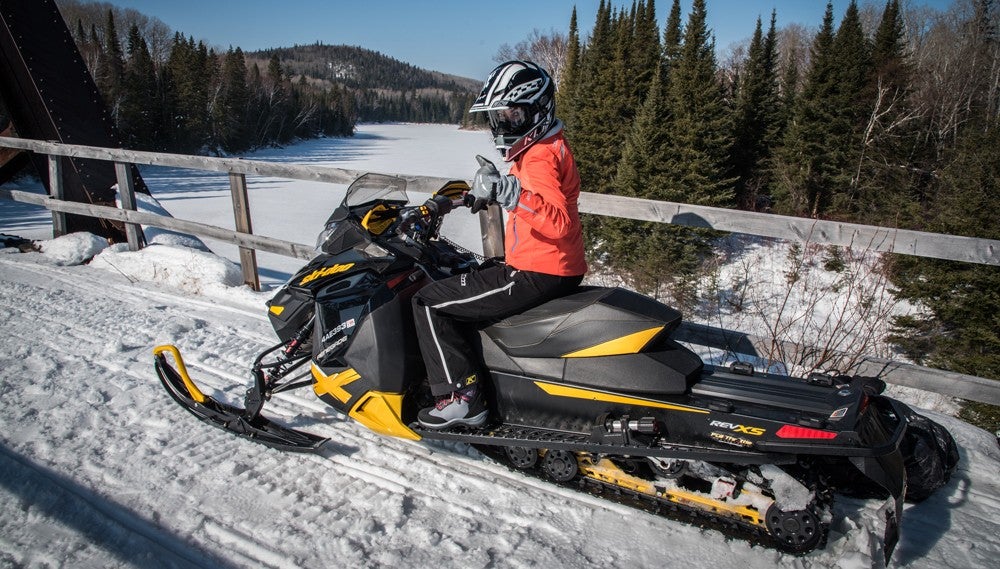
<point>544,256</point>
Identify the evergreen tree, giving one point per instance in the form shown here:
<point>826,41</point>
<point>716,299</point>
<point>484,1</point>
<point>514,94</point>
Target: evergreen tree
<point>852,109</point>
<point>646,52</point>
<point>596,135</point>
<point>230,112</point>
<point>673,34</point>
<point>805,170</point>
<point>757,118</point>
<point>889,191</point>
<point>139,120</point>
<point>652,256</point>
<point>111,68</point>
<point>188,83</point>
<point>789,93</point>
<point>566,93</point>
<point>701,125</point>
<point>962,331</point>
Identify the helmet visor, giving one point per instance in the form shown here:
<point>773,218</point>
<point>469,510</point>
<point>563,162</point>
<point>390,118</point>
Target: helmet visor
<point>511,121</point>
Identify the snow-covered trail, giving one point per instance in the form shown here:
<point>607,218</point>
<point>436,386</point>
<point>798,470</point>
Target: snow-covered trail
<point>101,469</point>
<point>84,412</point>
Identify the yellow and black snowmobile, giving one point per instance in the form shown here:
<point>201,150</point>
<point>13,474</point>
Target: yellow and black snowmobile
<point>588,389</point>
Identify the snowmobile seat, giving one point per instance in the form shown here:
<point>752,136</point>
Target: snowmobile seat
<point>577,331</point>
<point>584,319</point>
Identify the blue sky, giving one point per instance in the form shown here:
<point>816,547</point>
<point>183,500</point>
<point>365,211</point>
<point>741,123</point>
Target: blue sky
<point>458,37</point>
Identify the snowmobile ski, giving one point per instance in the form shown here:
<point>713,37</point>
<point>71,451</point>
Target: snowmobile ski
<point>227,417</point>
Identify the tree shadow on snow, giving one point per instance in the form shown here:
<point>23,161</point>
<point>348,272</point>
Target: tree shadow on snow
<point>924,524</point>
<point>112,527</point>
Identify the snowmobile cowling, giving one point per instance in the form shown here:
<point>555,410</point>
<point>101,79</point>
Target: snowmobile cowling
<point>589,390</point>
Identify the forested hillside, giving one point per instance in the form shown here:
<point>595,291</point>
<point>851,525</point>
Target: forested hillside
<point>167,91</point>
<point>384,88</point>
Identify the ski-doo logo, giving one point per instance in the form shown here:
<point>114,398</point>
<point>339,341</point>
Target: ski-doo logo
<point>325,272</point>
<point>755,431</point>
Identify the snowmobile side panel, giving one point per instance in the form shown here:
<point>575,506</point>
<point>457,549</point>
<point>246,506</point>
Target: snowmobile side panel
<point>288,311</point>
<point>335,384</point>
<point>667,369</point>
<point>382,413</point>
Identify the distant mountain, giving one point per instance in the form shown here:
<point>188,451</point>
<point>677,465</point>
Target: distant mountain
<point>360,68</point>
<point>384,88</point>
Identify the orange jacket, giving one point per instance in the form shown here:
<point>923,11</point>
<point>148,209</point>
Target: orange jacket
<point>543,233</point>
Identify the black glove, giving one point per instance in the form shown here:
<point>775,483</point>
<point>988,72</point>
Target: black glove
<point>439,205</point>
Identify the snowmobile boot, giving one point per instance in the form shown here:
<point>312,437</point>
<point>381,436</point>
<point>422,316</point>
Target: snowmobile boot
<point>462,407</point>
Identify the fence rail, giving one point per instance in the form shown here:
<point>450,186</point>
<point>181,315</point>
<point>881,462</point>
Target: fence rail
<point>882,239</point>
<point>918,243</point>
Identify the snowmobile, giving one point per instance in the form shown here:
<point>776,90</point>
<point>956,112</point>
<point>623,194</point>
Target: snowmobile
<point>587,390</point>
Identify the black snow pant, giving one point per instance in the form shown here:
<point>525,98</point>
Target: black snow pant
<point>446,313</point>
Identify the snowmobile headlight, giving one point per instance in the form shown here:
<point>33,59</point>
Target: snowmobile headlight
<point>340,236</point>
<point>323,236</point>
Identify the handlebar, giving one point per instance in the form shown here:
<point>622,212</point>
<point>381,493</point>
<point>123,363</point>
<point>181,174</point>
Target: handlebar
<point>430,209</point>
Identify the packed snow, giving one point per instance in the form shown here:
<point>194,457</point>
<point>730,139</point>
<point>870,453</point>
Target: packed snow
<point>100,468</point>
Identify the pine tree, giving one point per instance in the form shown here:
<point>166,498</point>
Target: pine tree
<point>700,127</point>
<point>230,113</point>
<point>189,78</point>
<point>789,93</point>
<point>651,256</point>
<point>803,183</point>
<point>757,118</point>
<point>646,51</point>
<point>889,190</point>
<point>962,331</point>
<point>570,77</point>
<point>139,120</point>
<point>852,108</point>
<point>673,35</point>
<point>111,68</point>
<point>597,134</point>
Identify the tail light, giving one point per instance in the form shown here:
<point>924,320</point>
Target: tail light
<point>796,432</point>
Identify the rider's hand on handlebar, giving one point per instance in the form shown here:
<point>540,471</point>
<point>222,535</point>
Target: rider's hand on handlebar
<point>439,205</point>
<point>407,217</point>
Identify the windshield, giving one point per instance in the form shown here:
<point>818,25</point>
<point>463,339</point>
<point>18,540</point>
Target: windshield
<point>370,188</point>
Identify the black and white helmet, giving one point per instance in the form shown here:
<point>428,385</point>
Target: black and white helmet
<point>519,98</point>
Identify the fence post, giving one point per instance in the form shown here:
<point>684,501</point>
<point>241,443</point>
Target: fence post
<point>126,192</point>
<point>57,192</point>
<point>491,226</point>
<point>241,209</point>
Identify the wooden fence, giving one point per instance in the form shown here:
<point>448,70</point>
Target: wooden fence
<point>924,244</point>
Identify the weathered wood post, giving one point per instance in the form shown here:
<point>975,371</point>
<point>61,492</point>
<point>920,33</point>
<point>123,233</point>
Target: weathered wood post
<point>241,209</point>
<point>58,192</point>
<point>126,192</point>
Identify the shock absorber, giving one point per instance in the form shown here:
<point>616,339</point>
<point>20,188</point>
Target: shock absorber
<point>265,376</point>
<point>293,345</point>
